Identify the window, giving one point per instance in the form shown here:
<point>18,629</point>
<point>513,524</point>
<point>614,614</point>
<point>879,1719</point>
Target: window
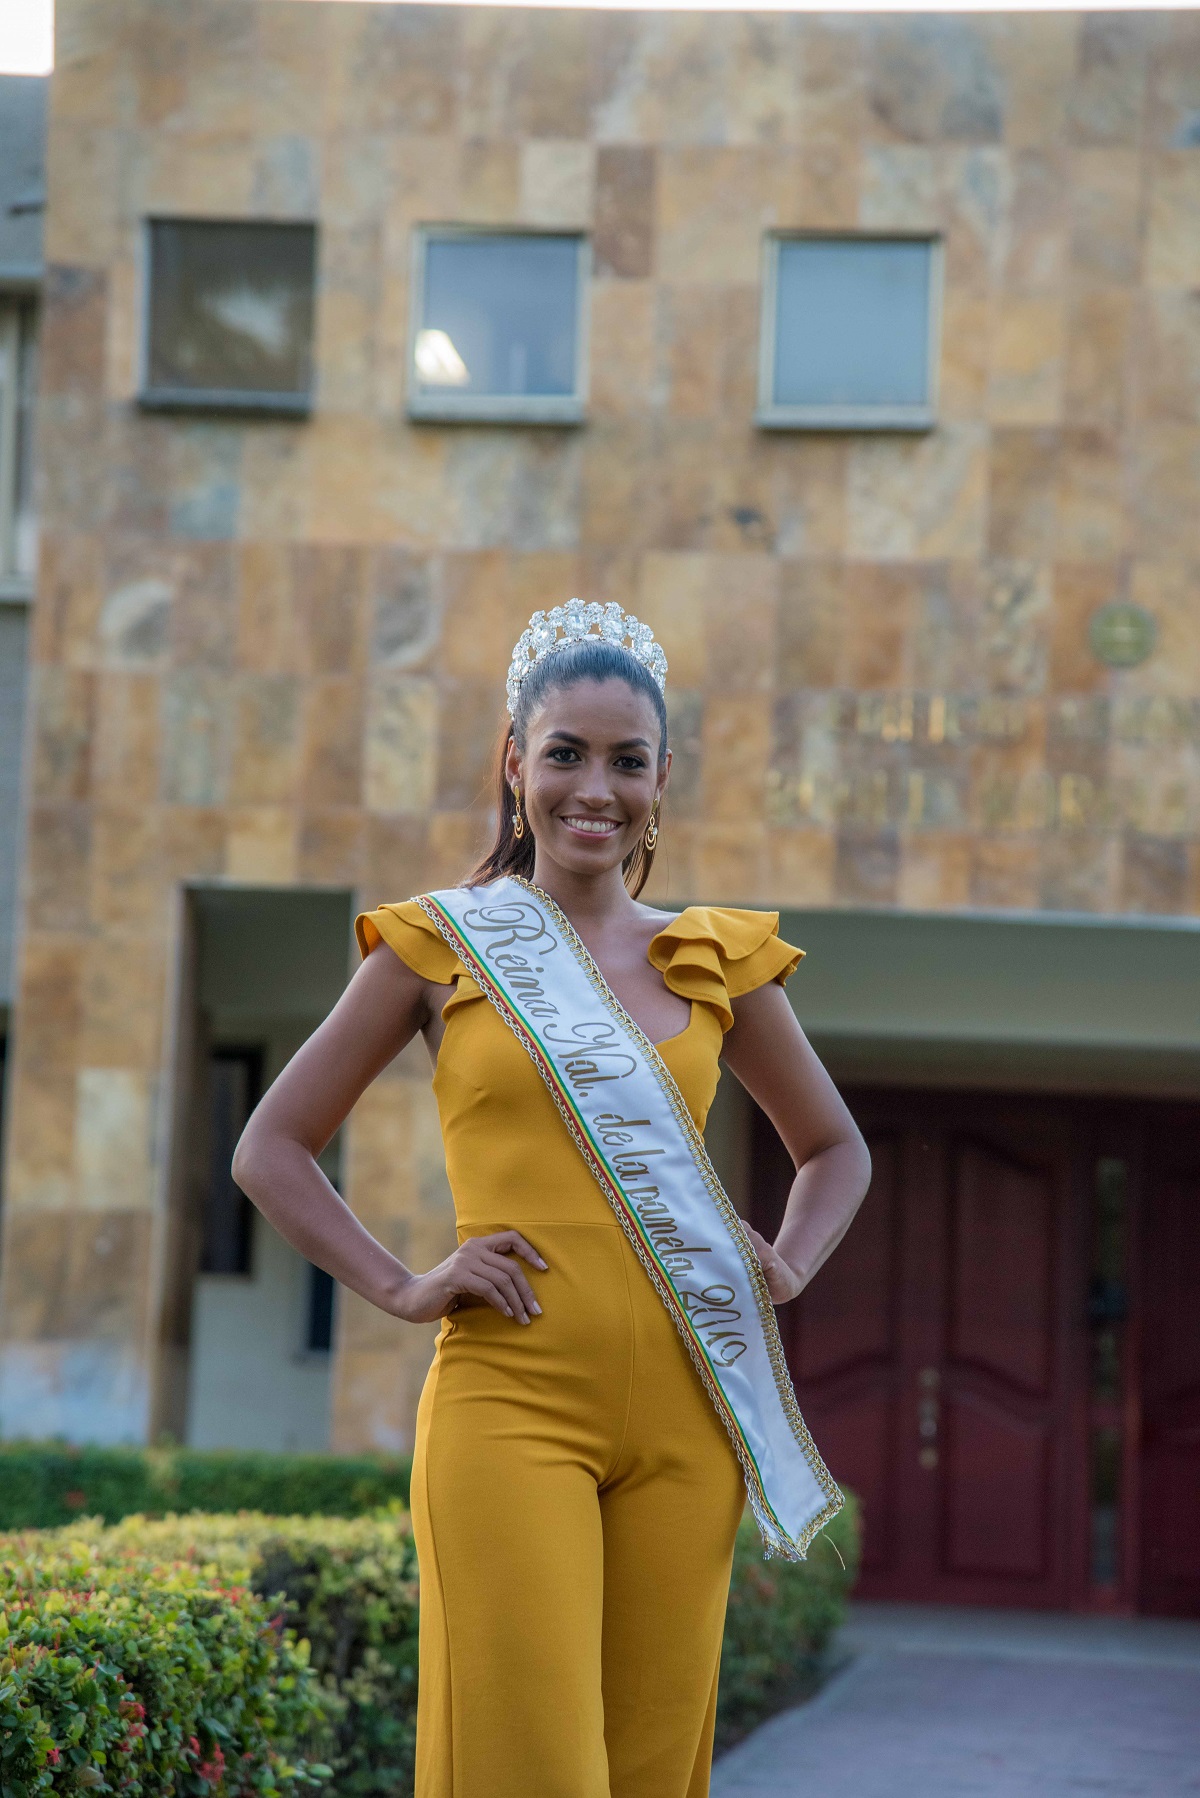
<point>498,326</point>
<point>235,1087</point>
<point>18,374</point>
<point>849,338</point>
<point>322,1288</point>
<point>229,315</point>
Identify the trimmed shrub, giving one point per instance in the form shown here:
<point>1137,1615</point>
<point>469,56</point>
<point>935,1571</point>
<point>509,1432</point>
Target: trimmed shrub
<point>46,1484</point>
<point>348,1587</point>
<point>346,1590</point>
<point>120,1672</point>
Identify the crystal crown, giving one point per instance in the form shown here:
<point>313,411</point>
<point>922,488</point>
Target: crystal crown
<point>547,632</point>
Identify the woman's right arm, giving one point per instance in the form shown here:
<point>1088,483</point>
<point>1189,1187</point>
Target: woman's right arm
<point>275,1163</point>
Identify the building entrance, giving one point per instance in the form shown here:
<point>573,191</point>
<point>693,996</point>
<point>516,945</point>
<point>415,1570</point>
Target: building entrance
<point>1002,1359</point>
<point>248,1324</point>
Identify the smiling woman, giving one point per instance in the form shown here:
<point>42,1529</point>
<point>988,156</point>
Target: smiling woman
<point>608,1386</point>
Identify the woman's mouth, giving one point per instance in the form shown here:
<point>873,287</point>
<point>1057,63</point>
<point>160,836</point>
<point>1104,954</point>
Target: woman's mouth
<point>592,827</point>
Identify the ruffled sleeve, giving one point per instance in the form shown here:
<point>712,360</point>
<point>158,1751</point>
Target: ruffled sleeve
<point>714,955</point>
<point>414,937</point>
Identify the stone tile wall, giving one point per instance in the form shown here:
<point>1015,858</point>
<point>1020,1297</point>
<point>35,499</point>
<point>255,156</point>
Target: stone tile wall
<point>273,652</point>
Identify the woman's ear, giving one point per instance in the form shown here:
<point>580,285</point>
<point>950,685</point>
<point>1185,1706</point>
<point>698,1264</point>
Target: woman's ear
<point>665,777</point>
<point>512,763</point>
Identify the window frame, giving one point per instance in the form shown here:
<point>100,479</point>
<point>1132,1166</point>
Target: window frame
<point>482,408</point>
<point>772,416</point>
<point>251,400</point>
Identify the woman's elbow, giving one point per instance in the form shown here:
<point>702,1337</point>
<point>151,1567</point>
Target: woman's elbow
<point>861,1158</point>
<point>246,1161</point>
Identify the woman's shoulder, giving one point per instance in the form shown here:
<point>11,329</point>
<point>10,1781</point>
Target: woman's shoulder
<point>411,933</point>
<point>716,953</point>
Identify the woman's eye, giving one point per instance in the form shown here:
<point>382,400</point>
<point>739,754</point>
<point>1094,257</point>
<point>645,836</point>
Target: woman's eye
<point>630,764</point>
<point>563,755</point>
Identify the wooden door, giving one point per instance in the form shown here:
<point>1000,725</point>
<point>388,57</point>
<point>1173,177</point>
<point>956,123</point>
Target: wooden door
<point>1170,1365</point>
<point>934,1354</point>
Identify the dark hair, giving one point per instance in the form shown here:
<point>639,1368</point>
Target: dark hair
<point>588,659</point>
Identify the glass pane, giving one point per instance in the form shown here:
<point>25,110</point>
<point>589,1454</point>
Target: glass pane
<point>8,342</point>
<point>25,522</point>
<point>852,323</point>
<point>234,1085</point>
<point>321,1289</point>
<point>231,306</point>
<point>1107,1311</point>
<point>500,316</point>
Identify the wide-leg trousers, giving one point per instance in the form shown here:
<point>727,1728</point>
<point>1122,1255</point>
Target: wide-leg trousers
<point>575,1500</point>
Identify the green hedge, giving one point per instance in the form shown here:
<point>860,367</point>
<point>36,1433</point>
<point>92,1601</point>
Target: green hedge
<point>123,1672</point>
<point>46,1484</point>
<point>345,1590</point>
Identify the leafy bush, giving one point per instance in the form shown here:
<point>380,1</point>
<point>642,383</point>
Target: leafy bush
<point>346,1586</point>
<point>780,1619</point>
<point>46,1484</point>
<point>346,1589</point>
<point>120,1672</point>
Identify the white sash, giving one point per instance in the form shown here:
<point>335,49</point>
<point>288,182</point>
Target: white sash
<point>628,1119</point>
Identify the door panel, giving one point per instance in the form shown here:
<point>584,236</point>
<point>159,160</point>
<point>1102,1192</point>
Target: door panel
<point>857,1437</point>
<point>842,1347</point>
<point>996,1485</point>
<point>849,1321</point>
<point>1001,1253</point>
<point>931,1351</point>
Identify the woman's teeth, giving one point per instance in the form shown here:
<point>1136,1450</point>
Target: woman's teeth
<point>596,827</point>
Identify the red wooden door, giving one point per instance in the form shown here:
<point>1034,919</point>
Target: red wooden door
<point>935,1352</point>
<point>1170,1357</point>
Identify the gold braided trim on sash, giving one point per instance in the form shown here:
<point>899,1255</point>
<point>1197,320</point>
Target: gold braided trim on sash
<point>775,1538</point>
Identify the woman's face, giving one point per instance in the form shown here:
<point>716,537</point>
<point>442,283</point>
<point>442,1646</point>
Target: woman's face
<point>589,774</point>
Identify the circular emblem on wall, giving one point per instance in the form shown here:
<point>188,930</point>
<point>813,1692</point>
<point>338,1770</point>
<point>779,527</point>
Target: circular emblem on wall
<point>1121,634</point>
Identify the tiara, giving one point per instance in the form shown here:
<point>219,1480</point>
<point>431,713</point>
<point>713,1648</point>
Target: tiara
<point>548,632</point>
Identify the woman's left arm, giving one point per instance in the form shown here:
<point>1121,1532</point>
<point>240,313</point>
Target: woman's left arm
<point>776,1063</point>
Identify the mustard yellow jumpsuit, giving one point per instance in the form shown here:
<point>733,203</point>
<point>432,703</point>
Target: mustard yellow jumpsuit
<point>574,1495</point>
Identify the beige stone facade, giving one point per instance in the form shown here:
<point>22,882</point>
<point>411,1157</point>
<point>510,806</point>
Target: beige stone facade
<point>272,653</point>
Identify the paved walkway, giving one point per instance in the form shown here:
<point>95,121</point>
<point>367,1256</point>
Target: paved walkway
<point>939,1703</point>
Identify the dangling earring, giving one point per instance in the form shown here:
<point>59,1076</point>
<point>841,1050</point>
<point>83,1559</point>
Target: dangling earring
<point>651,837</point>
<point>518,820</point>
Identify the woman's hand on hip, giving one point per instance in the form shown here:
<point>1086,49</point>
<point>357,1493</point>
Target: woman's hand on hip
<point>481,1270</point>
<point>783,1282</point>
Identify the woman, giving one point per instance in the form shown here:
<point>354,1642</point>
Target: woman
<point>607,1373</point>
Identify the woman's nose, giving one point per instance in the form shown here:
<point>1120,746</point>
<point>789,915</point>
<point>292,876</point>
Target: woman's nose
<point>594,787</point>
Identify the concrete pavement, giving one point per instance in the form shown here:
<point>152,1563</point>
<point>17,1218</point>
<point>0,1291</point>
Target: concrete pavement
<point>941,1703</point>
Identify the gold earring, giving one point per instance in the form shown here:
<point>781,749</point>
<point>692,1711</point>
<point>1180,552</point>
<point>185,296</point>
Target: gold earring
<point>518,820</point>
<point>651,837</point>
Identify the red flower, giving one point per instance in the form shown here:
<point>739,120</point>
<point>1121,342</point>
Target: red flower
<point>214,1770</point>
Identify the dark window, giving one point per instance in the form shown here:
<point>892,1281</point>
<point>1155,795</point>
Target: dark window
<point>848,333</point>
<point>498,332</point>
<point>234,1086</point>
<point>321,1287</point>
<point>230,314</point>
<point>18,380</point>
